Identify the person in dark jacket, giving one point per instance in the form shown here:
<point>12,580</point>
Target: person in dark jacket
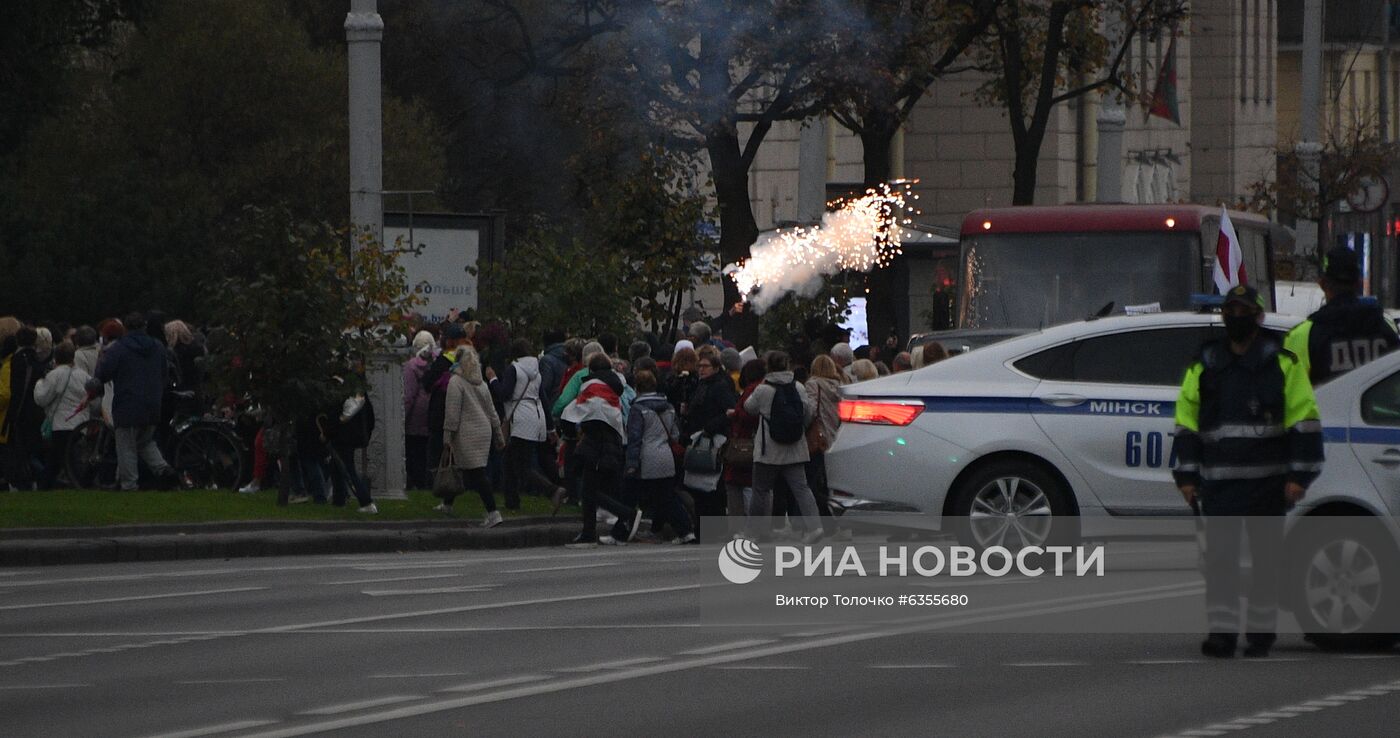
<point>21,426</point>
<point>138,369</point>
<point>712,397</point>
<point>1249,442</point>
<point>1345,333</point>
<point>554,363</point>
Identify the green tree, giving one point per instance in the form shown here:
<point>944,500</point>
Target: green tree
<point>204,109</point>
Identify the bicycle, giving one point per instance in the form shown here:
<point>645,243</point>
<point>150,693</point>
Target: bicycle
<point>204,450</point>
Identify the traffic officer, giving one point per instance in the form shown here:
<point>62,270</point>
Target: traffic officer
<point>1344,333</point>
<point>1248,442</point>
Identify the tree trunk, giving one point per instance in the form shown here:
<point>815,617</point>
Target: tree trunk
<point>881,305</point>
<point>737,227</point>
<point>1024,176</point>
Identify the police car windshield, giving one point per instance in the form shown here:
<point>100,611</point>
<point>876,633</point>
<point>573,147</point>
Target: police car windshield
<point>1035,280</point>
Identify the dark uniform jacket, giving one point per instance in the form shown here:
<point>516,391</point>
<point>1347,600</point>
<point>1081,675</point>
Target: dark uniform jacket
<point>1247,417</point>
<point>1342,335</point>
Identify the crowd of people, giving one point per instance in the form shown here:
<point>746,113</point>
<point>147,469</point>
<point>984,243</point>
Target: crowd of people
<point>664,430</point>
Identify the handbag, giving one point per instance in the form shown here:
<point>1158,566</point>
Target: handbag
<point>703,456</point>
<point>447,483</point>
<point>817,442</point>
<point>739,452</point>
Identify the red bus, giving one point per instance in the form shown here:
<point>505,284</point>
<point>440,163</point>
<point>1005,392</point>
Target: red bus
<point>1033,266</point>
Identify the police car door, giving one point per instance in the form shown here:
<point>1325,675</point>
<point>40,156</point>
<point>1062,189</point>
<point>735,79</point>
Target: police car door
<point>1375,428</point>
<point>1108,403</point>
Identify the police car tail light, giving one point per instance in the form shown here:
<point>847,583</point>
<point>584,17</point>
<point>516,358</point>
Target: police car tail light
<point>880,412</point>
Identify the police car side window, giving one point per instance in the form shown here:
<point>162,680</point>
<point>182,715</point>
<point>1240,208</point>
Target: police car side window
<point>1150,357</point>
<point>1380,405</point>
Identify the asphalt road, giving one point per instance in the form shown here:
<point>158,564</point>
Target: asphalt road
<point>599,642</point>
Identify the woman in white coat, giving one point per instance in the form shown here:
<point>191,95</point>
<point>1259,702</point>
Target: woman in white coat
<point>59,394</point>
<point>527,423</point>
<point>470,426</point>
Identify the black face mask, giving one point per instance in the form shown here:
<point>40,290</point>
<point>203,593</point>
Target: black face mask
<point>1240,328</point>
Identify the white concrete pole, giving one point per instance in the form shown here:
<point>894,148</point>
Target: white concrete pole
<point>811,170</point>
<point>364,33</point>
<point>1309,147</point>
<point>1111,119</point>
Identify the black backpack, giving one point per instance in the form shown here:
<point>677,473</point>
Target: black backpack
<point>786,419</point>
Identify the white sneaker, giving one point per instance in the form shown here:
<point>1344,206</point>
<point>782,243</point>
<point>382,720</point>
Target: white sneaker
<point>370,509</point>
<point>688,538</point>
<point>610,541</point>
<point>250,488</point>
<point>298,499</point>
<point>442,507</point>
<point>493,519</point>
<point>813,536</point>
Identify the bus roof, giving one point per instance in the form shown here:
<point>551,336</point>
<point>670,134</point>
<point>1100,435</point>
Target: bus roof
<point>1092,217</point>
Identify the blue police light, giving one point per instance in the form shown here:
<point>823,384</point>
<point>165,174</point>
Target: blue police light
<point>1207,302</point>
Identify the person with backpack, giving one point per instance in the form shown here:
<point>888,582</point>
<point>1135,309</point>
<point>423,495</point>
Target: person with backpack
<point>784,410</point>
<point>652,435</point>
<point>526,425</point>
<point>349,433</point>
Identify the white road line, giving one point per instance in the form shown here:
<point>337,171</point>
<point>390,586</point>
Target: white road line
<point>1202,732</point>
<point>1367,656</point>
<point>1161,662</point>
<point>1225,726</point>
<point>253,680</point>
<point>420,676</point>
<point>361,705</point>
<point>1253,721</point>
<point>1277,715</point>
<point>1061,605</point>
<point>726,647</point>
<point>560,568</point>
<point>136,598</point>
<point>1033,664</point>
<point>1345,697</point>
<point>1290,711</point>
<point>395,579</point>
<point>611,665</point>
<point>216,729</point>
<point>43,686</point>
<point>1299,708</point>
<point>913,666</point>
<point>761,667</point>
<point>428,591</point>
<point>494,683</point>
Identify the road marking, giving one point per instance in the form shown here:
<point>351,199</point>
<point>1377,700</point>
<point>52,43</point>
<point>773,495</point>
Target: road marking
<point>1346,697</point>
<point>43,686</point>
<point>1033,664</point>
<point>1290,711</point>
<point>1278,715</point>
<point>136,598</point>
<point>726,647</point>
<point>428,591</point>
<point>1367,656</point>
<point>1161,662</point>
<point>913,666</point>
<point>560,568</point>
<point>1299,708</point>
<point>361,705</point>
<point>761,667</point>
<point>1061,605</point>
<point>216,729</point>
<point>395,579</point>
<point>494,683</point>
<point>1225,726</point>
<point>253,680</point>
<point>1202,732</point>
<point>612,665</point>
<point>1253,721</point>
<point>420,676</point>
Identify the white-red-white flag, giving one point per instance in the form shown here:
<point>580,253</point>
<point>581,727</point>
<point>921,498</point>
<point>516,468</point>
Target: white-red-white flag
<point>1229,257</point>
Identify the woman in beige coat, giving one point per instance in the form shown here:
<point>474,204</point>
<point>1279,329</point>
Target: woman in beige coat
<point>470,426</point>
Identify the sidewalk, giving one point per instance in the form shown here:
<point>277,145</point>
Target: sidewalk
<point>164,542</point>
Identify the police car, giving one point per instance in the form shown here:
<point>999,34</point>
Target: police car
<point>1076,422</point>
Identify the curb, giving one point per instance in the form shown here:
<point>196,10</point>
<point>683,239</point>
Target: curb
<point>98,549</point>
<point>239,526</point>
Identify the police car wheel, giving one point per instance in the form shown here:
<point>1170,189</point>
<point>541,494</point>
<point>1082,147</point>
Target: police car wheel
<point>1012,504</point>
<point>1343,586</point>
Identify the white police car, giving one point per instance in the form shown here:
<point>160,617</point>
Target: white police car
<point>1076,422</point>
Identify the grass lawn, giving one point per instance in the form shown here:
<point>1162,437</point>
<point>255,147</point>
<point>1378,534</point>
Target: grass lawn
<point>72,507</point>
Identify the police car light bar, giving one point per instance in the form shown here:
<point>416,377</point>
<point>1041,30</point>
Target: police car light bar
<point>880,412</point>
<point>1207,301</point>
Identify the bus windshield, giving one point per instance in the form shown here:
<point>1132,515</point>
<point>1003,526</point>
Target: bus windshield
<point>1034,280</point>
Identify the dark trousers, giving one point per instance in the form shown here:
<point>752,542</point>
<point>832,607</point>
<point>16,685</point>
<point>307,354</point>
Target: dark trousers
<point>660,496</point>
<point>816,479</point>
<point>476,479</point>
<point>1254,507</point>
<point>55,458</point>
<point>434,449</point>
<point>19,453</point>
<point>310,475</point>
<point>415,451</point>
<point>345,478</point>
<point>523,471</point>
<point>600,489</point>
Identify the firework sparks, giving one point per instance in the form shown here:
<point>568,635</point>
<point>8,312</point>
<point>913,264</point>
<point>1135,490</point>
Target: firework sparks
<point>858,235</point>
